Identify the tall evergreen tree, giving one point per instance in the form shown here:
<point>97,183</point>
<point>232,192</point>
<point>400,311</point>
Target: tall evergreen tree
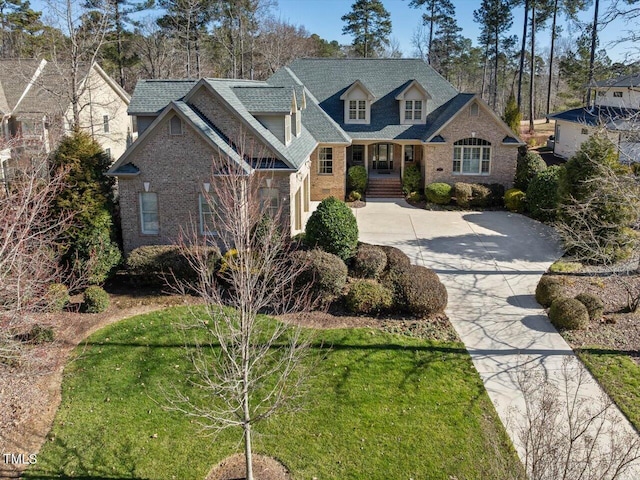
<point>19,23</point>
<point>438,13</point>
<point>447,46</point>
<point>370,24</point>
<point>495,19</point>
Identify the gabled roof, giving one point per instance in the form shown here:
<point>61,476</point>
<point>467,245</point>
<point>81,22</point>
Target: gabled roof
<point>152,96</point>
<point>413,83</point>
<point>612,118</point>
<point>211,135</point>
<point>328,79</point>
<point>358,84</point>
<point>628,81</point>
<point>455,107</point>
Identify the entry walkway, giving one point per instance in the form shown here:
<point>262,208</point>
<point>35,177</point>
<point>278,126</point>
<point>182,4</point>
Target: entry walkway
<point>490,263</point>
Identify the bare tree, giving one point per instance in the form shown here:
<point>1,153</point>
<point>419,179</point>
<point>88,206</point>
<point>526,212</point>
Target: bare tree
<point>29,263</point>
<point>567,434</point>
<point>248,365</point>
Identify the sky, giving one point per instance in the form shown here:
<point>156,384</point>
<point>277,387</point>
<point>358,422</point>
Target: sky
<point>323,18</point>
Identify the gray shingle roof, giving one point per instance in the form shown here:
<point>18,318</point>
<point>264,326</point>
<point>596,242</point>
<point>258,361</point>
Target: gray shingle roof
<point>626,81</point>
<point>265,99</point>
<point>328,79</point>
<point>152,96</point>
<point>611,117</point>
<point>440,116</point>
<point>323,128</point>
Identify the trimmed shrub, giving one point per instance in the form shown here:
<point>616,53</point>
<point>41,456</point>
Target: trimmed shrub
<point>594,304</point>
<point>635,168</point>
<point>438,193</point>
<point>369,261</point>
<point>325,273</point>
<point>420,291</point>
<point>367,296</point>
<point>411,179</point>
<point>354,196</point>
<point>95,300</point>
<point>396,258</point>
<point>57,297</point>
<point>514,200</point>
<point>480,195</point>
<point>569,314</point>
<point>151,264</point>
<point>527,167</point>
<point>357,179</point>
<point>463,193</point>
<point>543,195</point>
<point>333,228</point>
<point>496,198</point>
<point>548,289</point>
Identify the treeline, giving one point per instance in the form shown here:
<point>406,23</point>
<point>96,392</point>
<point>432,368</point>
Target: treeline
<point>244,39</point>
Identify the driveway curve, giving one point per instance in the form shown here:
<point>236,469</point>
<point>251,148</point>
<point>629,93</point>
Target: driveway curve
<point>490,263</point>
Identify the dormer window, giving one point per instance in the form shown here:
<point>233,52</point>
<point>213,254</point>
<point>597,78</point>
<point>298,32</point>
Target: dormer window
<point>413,110</point>
<point>357,103</point>
<point>413,103</point>
<point>357,110</point>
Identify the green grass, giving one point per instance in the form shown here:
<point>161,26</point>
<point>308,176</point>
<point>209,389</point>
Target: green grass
<point>619,376</point>
<point>380,406</point>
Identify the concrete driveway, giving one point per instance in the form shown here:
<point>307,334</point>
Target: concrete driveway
<point>490,263</point>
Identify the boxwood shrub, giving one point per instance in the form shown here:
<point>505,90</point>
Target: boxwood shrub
<point>396,258</point>
<point>569,314</point>
<point>369,261</point>
<point>420,291</point>
<point>357,179</point>
<point>594,304</point>
<point>548,289</point>
<point>150,265</point>
<point>333,228</point>
<point>57,297</point>
<point>368,296</point>
<point>527,167</point>
<point>325,274</point>
<point>463,193</point>
<point>96,300</point>
<point>543,195</point>
<point>438,193</point>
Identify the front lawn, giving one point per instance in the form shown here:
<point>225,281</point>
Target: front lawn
<point>380,406</point>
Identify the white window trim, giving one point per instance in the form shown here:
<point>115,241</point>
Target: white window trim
<point>413,120</point>
<point>202,200</point>
<point>269,193</point>
<point>481,160</point>
<point>347,110</point>
<point>142,213</point>
<point>321,160</point>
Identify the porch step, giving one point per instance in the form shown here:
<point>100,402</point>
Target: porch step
<point>384,188</point>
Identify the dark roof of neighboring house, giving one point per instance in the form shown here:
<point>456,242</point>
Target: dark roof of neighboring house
<point>626,81</point>
<point>328,79</point>
<point>152,96</point>
<point>612,118</point>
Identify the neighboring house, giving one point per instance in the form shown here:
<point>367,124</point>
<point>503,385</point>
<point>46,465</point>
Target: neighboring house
<point>615,109</point>
<point>36,110</point>
<point>303,127</point>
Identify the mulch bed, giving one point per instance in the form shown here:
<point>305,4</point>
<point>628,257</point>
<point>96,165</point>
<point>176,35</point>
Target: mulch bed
<point>619,329</point>
<point>264,468</point>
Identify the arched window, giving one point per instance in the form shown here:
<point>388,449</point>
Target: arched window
<point>472,156</point>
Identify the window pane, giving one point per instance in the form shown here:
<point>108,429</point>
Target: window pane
<point>149,213</point>
<point>456,165</point>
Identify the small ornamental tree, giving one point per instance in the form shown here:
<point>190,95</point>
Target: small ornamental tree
<point>527,167</point>
<point>333,228</point>
<point>512,114</point>
<point>89,246</point>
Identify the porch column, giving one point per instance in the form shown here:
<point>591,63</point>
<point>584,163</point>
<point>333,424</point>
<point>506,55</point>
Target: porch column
<point>401,161</point>
<point>366,157</point>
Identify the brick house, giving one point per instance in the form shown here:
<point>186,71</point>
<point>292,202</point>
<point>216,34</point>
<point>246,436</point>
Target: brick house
<point>301,129</point>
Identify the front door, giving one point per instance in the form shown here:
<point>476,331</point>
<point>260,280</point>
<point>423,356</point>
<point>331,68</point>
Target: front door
<point>383,156</point>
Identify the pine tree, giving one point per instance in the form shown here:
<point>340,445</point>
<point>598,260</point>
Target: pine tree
<point>370,24</point>
<point>512,115</point>
<point>438,13</point>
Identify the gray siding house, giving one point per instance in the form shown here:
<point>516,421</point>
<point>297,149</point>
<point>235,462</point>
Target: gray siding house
<point>301,129</point>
